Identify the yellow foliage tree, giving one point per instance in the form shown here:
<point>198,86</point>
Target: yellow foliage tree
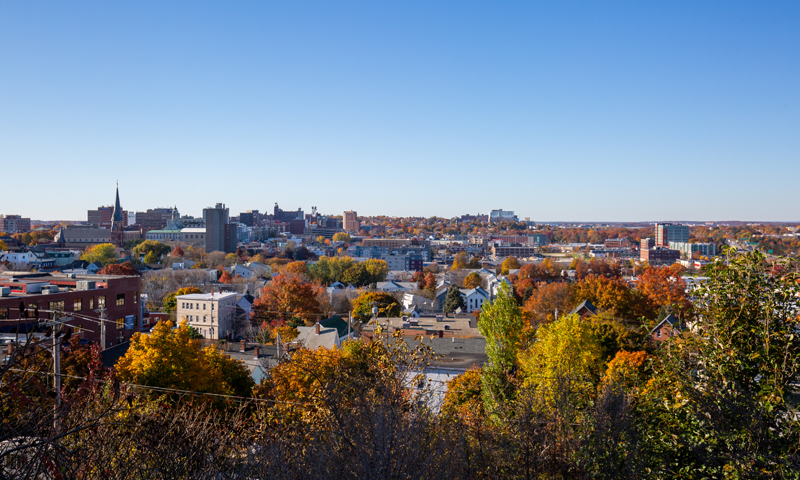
<point>510,263</point>
<point>472,280</point>
<point>564,351</point>
<point>171,359</point>
<point>104,253</point>
<point>460,261</point>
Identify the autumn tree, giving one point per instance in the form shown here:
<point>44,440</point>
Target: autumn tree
<point>472,280</point>
<point>548,298</point>
<point>460,261</point>
<point>342,237</point>
<point>297,268</point>
<point>170,301</point>
<point>178,252</point>
<point>170,359</point>
<point>125,268</point>
<point>288,296</point>
<point>615,296</point>
<point>664,287</point>
<point>564,350</point>
<point>474,263</point>
<point>157,248</point>
<point>387,306</point>
<point>104,253</point>
<point>510,263</point>
<point>225,277</point>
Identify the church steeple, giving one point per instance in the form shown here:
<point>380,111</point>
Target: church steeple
<point>117,208</point>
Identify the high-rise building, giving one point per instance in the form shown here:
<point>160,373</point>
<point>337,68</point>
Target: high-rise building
<point>14,224</point>
<point>155,218</point>
<point>217,218</point>
<point>351,223</point>
<point>671,232</point>
<point>502,216</point>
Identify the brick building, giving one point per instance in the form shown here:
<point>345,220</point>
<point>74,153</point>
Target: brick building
<point>76,296</point>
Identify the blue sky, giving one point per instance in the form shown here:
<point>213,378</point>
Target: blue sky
<point>617,111</point>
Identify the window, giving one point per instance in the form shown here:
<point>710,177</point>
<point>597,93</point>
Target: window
<point>91,303</point>
<point>204,319</point>
<point>204,306</point>
<point>101,301</point>
<point>3,313</point>
<point>198,306</point>
<point>57,306</point>
<point>120,299</point>
<point>77,305</point>
<point>120,323</point>
<point>135,297</point>
<point>658,333</point>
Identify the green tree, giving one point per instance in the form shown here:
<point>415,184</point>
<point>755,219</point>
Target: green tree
<point>720,404</point>
<point>474,262</point>
<point>507,333</point>
<point>453,300</point>
<point>387,305</point>
<point>104,253</point>
<point>194,333</point>
<point>148,246</point>
<point>151,258</point>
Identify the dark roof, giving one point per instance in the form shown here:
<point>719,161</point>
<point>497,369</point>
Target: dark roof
<point>674,322</point>
<point>336,322</point>
<point>587,305</point>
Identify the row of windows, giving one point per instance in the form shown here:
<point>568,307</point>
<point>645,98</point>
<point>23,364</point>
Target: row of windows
<point>78,304</point>
<point>194,306</point>
<point>192,318</point>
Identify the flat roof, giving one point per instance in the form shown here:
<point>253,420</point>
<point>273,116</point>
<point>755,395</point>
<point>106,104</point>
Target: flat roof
<point>205,296</point>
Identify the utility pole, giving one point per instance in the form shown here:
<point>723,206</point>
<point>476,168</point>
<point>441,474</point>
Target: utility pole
<point>102,328</point>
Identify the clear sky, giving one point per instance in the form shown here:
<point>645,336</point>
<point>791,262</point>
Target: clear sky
<point>618,111</point>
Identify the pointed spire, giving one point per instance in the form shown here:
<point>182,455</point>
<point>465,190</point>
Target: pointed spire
<point>117,208</point>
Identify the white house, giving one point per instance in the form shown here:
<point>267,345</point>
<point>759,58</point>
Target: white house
<point>210,313</point>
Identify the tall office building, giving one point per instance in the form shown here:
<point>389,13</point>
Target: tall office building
<point>216,219</point>
<point>351,223</point>
<point>671,232</point>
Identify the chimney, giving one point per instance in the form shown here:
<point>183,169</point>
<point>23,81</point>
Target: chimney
<point>257,350</point>
<point>10,349</point>
<point>316,328</point>
<point>242,346</point>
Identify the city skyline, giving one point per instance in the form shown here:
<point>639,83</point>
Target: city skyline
<point>568,112</point>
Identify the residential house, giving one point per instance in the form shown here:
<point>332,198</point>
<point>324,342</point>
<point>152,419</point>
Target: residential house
<point>584,310</point>
<point>669,327</point>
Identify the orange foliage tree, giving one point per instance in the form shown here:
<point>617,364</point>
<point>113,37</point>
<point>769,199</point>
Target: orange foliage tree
<point>288,296</point>
<point>544,301</point>
<point>225,277</point>
<point>615,296</point>
<point>298,267</point>
<point>664,287</point>
<point>472,280</point>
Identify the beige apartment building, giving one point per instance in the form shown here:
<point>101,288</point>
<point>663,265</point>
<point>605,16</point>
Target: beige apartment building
<point>211,314</point>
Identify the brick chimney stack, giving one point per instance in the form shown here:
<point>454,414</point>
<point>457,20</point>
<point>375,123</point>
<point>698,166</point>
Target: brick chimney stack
<point>316,328</point>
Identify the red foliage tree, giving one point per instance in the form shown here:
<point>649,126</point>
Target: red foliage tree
<point>126,268</point>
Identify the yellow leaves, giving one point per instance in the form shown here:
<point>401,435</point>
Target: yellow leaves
<point>171,359</point>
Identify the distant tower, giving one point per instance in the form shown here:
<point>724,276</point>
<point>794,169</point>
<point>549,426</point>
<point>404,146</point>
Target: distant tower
<point>117,223</point>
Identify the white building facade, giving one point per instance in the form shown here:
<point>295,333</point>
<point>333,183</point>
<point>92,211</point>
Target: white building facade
<point>211,314</point>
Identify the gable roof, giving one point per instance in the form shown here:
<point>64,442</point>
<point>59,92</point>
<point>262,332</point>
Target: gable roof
<point>672,320</point>
<point>336,322</point>
<point>587,305</point>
